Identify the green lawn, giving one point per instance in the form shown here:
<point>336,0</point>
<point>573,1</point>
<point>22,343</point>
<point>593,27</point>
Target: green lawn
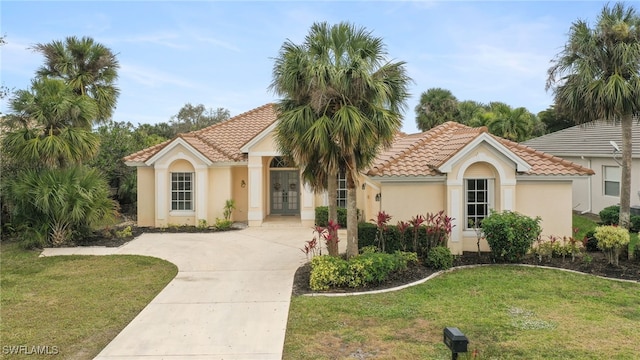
<point>506,312</point>
<point>73,304</point>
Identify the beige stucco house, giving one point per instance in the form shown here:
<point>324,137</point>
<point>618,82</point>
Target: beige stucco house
<point>461,170</point>
<point>590,145</point>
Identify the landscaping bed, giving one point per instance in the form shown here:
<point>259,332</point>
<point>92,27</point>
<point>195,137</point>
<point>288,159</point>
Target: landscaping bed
<point>599,266</point>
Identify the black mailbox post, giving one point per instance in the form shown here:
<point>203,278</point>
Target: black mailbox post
<point>455,341</point>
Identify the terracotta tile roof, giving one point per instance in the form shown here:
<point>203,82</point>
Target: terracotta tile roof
<point>422,154</point>
<point>220,142</point>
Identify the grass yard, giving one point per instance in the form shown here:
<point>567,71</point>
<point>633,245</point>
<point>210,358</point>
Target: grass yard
<point>507,312</point>
<point>75,305</point>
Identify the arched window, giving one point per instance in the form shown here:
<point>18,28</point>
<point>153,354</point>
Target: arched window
<point>278,162</point>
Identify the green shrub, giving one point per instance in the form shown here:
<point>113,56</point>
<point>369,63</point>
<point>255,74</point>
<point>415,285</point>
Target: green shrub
<point>322,216</point>
<point>591,243</point>
<point>611,215</point>
<point>611,240</point>
<point>440,258</point>
<point>222,224</point>
<point>328,271</point>
<point>394,239</point>
<point>126,232</point>
<point>361,270</point>
<point>510,234</point>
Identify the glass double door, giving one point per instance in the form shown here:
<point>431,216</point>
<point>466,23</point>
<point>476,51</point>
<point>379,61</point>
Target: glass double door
<point>285,192</point>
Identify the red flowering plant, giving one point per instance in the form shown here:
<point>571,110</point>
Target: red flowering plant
<point>415,222</point>
<point>381,222</point>
<point>402,228</point>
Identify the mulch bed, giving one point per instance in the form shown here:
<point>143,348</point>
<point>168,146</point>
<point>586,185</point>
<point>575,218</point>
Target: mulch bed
<point>627,269</point>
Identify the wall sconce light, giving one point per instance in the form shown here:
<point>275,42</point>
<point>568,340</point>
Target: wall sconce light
<point>243,184</point>
<point>364,185</point>
<point>378,196</point>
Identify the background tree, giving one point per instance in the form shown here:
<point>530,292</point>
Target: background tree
<point>436,107</point>
<point>88,67</point>
<point>555,120</point>
<point>197,117</point>
<point>508,123</point>
<point>469,111</point>
<point>352,105</point>
<point>597,76</point>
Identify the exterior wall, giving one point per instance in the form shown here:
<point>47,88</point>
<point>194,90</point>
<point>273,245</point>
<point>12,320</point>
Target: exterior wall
<point>146,196</point>
<point>588,193</point>
<point>551,200</point>
<point>220,190</point>
<point>404,200</point>
<point>240,193</point>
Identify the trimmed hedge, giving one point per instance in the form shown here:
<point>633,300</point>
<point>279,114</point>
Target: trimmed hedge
<point>322,216</point>
<point>611,214</point>
<point>394,240</point>
<point>510,234</point>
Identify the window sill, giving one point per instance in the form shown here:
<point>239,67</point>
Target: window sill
<point>184,213</point>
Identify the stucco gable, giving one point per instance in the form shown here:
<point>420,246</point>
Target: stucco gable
<point>177,149</point>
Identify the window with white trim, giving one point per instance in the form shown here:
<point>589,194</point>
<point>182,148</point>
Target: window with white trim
<point>182,191</point>
<point>478,201</point>
<point>611,178</point>
<point>342,190</point>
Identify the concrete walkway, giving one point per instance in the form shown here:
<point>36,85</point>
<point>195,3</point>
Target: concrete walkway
<point>230,299</point>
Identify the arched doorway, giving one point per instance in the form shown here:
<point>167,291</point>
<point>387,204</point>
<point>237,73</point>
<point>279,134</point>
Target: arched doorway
<point>284,188</point>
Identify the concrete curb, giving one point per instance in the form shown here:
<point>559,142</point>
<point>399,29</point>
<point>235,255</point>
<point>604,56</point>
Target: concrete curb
<point>434,275</point>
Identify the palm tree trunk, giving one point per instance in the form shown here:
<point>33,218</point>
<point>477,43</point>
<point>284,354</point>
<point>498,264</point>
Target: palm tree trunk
<point>352,210</point>
<point>625,184</point>
<point>332,190</point>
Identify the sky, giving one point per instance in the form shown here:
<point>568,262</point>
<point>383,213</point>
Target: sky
<point>221,53</point>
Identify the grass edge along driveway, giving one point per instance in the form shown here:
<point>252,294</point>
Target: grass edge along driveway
<point>507,312</point>
<point>72,306</point>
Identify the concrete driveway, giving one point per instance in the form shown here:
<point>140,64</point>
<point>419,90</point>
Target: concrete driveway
<point>230,299</point>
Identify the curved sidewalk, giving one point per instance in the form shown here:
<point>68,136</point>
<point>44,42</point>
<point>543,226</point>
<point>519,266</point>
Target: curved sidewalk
<point>229,300</point>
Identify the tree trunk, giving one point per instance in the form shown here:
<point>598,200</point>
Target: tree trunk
<point>352,210</point>
<point>332,192</point>
<point>625,181</point>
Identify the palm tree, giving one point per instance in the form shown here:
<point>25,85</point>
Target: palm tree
<point>436,107</point>
<point>597,76</point>
<point>512,124</point>
<point>88,67</point>
<point>469,111</point>
<point>55,203</point>
<point>341,104</point>
<point>50,125</point>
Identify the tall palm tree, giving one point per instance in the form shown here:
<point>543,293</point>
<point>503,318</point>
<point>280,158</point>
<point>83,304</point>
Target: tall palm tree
<point>436,107</point>
<point>341,103</point>
<point>88,67</point>
<point>597,76</point>
<point>50,125</point>
<point>512,124</point>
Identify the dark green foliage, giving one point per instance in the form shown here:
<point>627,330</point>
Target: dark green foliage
<point>440,258</point>
<point>322,216</point>
<point>610,215</point>
<point>394,241</point>
<point>590,242</point>
<point>510,234</point>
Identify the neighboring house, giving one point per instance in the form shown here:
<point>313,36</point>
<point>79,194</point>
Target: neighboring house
<point>589,145</point>
<point>461,170</point>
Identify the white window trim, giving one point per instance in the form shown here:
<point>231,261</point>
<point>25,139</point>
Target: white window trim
<point>184,212</point>
<point>490,200</point>
<point>342,177</point>
<point>604,180</point>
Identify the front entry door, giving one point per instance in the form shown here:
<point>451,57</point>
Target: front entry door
<point>285,190</point>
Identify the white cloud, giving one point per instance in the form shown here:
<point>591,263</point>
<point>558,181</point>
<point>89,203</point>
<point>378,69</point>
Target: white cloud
<point>165,39</point>
<point>153,78</point>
